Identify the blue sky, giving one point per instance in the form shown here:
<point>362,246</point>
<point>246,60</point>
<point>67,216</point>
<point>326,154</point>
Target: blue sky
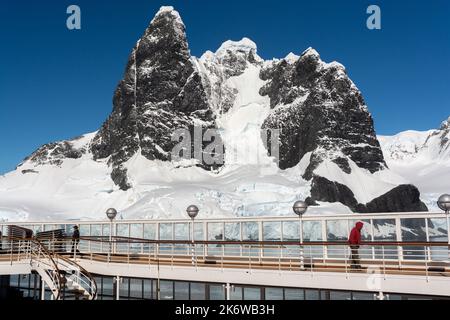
<point>56,84</point>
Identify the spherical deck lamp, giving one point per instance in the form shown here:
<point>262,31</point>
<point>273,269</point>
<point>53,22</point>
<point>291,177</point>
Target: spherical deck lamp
<point>111,213</point>
<point>300,208</point>
<point>444,203</point>
<point>192,212</point>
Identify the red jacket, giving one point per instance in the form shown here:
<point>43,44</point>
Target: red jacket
<point>355,234</point>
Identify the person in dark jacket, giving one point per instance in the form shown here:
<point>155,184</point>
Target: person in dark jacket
<point>354,240</point>
<point>75,239</point>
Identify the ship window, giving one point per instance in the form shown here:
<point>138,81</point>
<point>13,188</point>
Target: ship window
<point>124,288</point>
<point>198,291</point>
<point>181,290</point>
<point>340,295</point>
<point>148,289</point>
<point>273,293</point>
<point>136,288</point>
<point>252,293</point>
<point>293,294</point>
<point>216,292</point>
<point>166,290</point>
<point>311,294</point>
<point>362,296</point>
<point>236,293</point>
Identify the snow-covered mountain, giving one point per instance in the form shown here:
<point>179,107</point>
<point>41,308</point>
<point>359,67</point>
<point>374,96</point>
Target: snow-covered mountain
<point>328,151</point>
<point>423,157</point>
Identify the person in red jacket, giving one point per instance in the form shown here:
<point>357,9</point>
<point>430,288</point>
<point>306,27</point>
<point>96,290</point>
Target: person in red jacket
<point>354,240</point>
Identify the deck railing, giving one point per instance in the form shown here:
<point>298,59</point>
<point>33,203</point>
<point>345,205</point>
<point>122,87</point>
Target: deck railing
<point>383,257</point>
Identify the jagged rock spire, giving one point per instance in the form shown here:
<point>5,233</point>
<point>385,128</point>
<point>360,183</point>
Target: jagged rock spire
<point>161,91</point>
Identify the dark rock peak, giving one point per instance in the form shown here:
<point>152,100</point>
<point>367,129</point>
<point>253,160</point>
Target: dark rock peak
<point>319,110</point>
<point>444,136</point>
<point>56,152</point>
<point>161,91</point>
<point>403,198</point>
<point>445,125</point>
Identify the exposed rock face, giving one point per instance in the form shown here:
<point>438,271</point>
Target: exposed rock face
<point>404,198</point>
<point>319,110</point>
<point>323,189</point>
<point>401,198</point>
<point>161,91</point>
<point>443,135</point>
<point>55,153</point>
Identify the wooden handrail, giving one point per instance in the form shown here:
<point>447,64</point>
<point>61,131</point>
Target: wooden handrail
<point>105,239</point>
<point>265,243</point>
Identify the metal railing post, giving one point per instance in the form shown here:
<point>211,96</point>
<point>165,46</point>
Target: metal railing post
<point>398,232</point>
<point>279,258</point>
<point>324,238</point>
<point>427,252</point>
<point>346,261</point>
<point>11,244</point>
<point>260,238</point>
<point>250,258</point>
<point>128,251</point>
<point>222,262</point>
<point>171,256</point>
<point>149,255</point>
<point>426,270</point>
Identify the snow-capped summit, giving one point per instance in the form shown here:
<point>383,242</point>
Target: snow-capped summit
<point>422,157</point>
<point>168,10</point>
<point>245,45</point>
<point>328,150</point>
<point>445,125</point>
<point>310,52</point>
<point>425,146</point>
<point>291,57</point>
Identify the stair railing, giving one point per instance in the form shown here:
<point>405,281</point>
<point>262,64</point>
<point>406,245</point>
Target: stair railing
<point>42,262</point>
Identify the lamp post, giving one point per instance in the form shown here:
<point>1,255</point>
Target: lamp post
<point>111,213</point>
<point>300,208</point>
<point>192,212</point>
<point>444,204</point>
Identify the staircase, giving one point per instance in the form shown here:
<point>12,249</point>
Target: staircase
<point>66,279</point>
<point>74,291</point>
